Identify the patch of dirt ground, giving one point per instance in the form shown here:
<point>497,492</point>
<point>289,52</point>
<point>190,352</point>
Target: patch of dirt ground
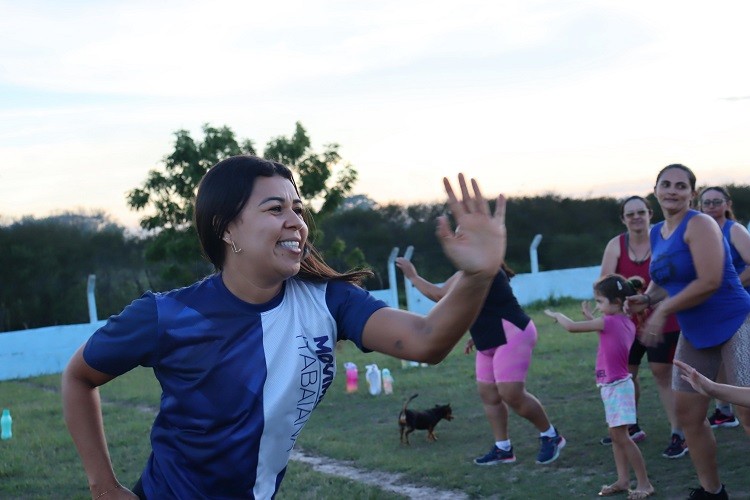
<point>388,481</point>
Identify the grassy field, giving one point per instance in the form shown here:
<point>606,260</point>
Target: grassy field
<point>40,461</point>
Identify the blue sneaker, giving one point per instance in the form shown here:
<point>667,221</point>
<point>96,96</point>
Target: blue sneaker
<point>496,456</point>
<point>549,448</point>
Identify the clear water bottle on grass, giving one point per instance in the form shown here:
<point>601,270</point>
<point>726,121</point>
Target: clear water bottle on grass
<point>373,379</point>
<point>6,423</point>
<point>387,381</point>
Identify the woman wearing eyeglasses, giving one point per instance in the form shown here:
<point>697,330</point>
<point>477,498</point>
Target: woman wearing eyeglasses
<point>716,202</point>
<point>629,254</point>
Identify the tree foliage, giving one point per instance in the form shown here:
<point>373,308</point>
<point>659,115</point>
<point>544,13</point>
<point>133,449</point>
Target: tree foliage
<point>48,261</point>
<point>574,231</point>
<point>324,180</point>
<point>169,191</point>
<point>315,171</point>
<point>45,262</point>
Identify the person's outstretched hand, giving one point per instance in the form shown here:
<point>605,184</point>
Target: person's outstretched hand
<point>406,267</point>
<point>478,244</point>
<point>636,304</point>
<point>586,310</point>
<point>469,346</point>
<point>651,333</point>
<point>552,314</point>
<point>699,382</point>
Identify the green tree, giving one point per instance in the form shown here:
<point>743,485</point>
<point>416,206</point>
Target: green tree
<point>315,171</point>
<point>48,262</point>
<point>167,193</point>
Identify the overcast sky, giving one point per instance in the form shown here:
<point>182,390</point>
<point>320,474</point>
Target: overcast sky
<point>579,98</point>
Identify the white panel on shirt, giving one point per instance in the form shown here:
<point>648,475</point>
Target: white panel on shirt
<point>299,370</point>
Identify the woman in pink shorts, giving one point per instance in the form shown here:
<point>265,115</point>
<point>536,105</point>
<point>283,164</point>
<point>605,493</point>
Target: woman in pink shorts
<point>504,336</point>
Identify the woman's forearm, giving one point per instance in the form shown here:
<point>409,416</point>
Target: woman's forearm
<point>452,316</point>
<point>430,290</point>
<point>83,417</point>
<point>731,393</point>
<point>695,293</point>
<point>745,277</point>
<point>654,294</point>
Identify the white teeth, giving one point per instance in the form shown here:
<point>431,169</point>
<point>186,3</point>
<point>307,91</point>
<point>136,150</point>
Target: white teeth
<point>293,245</point>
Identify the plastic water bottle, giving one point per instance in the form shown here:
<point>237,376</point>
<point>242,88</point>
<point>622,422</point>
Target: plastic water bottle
<point>408,364</point>
<point>387,381</point>
<point>373,379</point>
<point>351,377</point>
<point>6,423</point>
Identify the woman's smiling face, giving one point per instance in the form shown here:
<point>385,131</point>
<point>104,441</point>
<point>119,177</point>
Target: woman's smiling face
<point>270,231</point>
<point>636,215</point>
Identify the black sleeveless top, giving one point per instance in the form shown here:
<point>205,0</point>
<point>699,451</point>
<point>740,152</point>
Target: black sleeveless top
<point>500,304</point>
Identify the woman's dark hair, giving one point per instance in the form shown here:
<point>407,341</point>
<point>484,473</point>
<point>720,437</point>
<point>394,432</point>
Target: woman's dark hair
<point>631,198</point>
<point>507,270</point>
<point>617,287</point>
<point>690,174</point>
<point>223,193</point>
<point>728,212</point>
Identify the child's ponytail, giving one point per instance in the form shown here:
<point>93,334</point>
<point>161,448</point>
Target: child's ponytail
<point>617,287</point>
<point>637,283</point>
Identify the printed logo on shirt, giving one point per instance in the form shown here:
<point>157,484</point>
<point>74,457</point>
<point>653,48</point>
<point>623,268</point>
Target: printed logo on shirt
<point>325,355</point>
<point>309,387</point>
<point>661,269</point>
<point>316,375</point>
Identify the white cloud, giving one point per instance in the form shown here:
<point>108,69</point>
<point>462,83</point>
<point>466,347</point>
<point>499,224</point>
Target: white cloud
<point>530,95</point>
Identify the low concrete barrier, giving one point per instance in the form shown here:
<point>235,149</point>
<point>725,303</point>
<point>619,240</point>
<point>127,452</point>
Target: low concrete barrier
<point>44,351</point>
<point>41,351</point>
<point>575,283</point>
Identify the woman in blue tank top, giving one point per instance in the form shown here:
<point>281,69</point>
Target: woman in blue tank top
<point>716,202</point>
<point>692,277</point>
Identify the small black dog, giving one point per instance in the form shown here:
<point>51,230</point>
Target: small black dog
<point>409,420</point>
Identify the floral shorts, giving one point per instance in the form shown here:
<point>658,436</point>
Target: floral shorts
<point>619,402</point>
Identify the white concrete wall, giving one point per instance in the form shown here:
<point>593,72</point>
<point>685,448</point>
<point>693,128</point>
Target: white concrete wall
<point>529,287</point>
<point>577,283</point>
<point>43,351</point>
<point>389,295</point>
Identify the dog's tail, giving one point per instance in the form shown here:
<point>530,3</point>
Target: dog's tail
<point>409,400</point>
<point>402,415</point>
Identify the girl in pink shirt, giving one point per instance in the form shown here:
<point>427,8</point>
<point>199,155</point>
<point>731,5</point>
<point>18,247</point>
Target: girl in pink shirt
<point>616,335</point>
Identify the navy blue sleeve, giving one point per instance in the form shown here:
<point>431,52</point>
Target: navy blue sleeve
<point>351,307</point>
<point>129,339</point>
